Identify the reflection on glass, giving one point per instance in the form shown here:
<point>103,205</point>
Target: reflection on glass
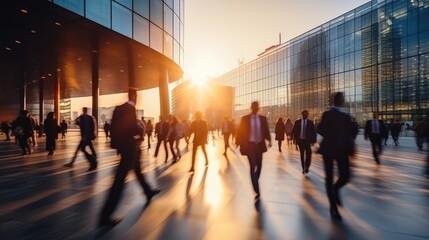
<point>121,19</point>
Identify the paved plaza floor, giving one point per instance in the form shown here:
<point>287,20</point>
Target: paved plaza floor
<point>41,199</point>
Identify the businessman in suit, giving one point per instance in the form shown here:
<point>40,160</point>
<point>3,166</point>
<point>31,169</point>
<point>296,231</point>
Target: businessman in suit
<point>126,136</point>
<point>200,130</point>
<point>375,130</point>
<point>161,131</point>
<point>251,136</point>
<point>304,134</point>
<point>338,134</point>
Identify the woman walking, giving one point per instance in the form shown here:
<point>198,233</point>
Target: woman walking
<point>280,132</point>
<point>51,132</point>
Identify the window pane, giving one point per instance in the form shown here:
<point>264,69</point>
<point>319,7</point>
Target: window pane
<point>76,6</point>
<point>176,27</point>
<point>121,19</point>
<point>169,3</point>
<point>168,46</point>
<point>141,30</point>
<point>99,11</point>
<point>156,12</point>
<point>156,38</point>
<point>126,3</point>
<point>142,7</point>
<point>424,42</point>
<point>168,20</point>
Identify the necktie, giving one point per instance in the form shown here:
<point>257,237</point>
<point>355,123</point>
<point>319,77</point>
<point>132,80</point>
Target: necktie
<point>303,126</point>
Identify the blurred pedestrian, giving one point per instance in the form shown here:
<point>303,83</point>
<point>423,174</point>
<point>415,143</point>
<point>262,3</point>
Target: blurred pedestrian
<point>226,133</point>
<point>126,137</point>
<point>375,131</point>
<point>288,130</point>
<point>149,130</point>
<point>88,131</point>
<point>106,129</point>
<point>252,135</point>
<point>64,128</point>
<point>395,130</point>
<point>51,132</point>
<point>22,130</point>
<point>279,130</point>
<point>161,131</point>
<point>338,134</point>
<point>200,130</point>
<point>304,134</point>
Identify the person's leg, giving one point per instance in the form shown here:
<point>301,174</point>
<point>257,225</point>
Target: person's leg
<point>203,148</point>
<point>137,170</point>
<point>194,152</point>
<point>374,150</point>
<point>171,143</point>
<point>279,142</point>
<point>343,178</point>
<point>177,142</point>
<point>252,157</point>
<point>158,144</point>
<point>166,150</point>
<point>115,191</point>
<point>302,147</point>
<point>328,167</point>
<point>307,156</point>
<point>225,140</point>
<point>148,140</point>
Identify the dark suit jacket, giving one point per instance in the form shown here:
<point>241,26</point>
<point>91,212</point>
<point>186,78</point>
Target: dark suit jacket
<point>338,133</point>
<point>310,131</point>
<point>368,129</point>
<point>200,130</point>
<point>165,129</point>
<point>124,128</point>
<point>243,133</point>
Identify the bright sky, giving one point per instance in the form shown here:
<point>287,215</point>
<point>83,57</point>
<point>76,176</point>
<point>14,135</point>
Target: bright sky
<point>219,33</point>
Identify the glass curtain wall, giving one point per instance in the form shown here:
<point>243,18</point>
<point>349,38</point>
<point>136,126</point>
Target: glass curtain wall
<point>377,54</point>
<point>154,23</point>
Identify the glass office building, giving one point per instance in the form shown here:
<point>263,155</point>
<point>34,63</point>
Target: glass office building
<point>377,54</point>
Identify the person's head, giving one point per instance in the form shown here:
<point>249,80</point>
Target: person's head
<point>85,110</point>
<point>50,115</point>
<point>24,113</point>
<point>338,99</point>
<point>198,115</point>
<point>304,114</point>
<point>288,120</point>
<point>132,95</point>
<point>280,119</point>
<point>254,107</point>
<point>374,115</point>
<point>226,118</point>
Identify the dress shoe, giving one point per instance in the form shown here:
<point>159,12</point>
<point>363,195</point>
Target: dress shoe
<point>335,214</point>
<point>154,192</point>
<point>306,170</point>
<point>68,165</point>
<point>191,170</point>
<point>50,153</point>
<point>257,196</point>
<point>109,222</point>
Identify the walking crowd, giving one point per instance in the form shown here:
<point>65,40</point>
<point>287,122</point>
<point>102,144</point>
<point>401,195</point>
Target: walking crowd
<point>251,136</point>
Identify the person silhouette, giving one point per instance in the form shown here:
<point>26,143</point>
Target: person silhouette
<point>338,134</point>
<point>251,135</point>
<point>126,137</point>
<point>200,130</point>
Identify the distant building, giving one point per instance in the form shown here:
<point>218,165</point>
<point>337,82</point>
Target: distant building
<point>214,100</point>
<point>378,54</point>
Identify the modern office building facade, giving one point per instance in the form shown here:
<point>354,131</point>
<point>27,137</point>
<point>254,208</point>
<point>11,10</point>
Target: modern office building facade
<point>60,49</point>
<point>377,54</point>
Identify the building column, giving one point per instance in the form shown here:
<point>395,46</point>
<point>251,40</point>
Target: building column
<point>23,98</point>
<point>41,100</point>
<point>57,95</point>
<point>95,84</point>
<point>164,93</point>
